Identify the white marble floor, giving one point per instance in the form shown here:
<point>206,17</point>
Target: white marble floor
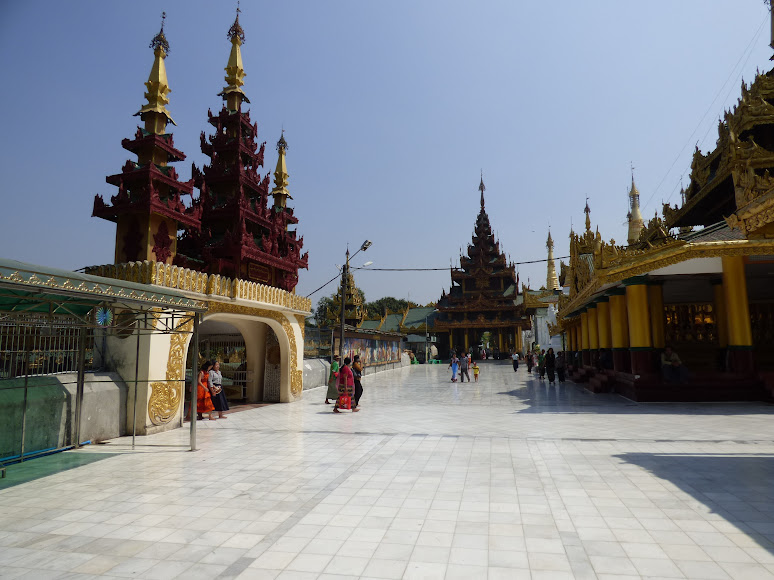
<point>506,478</point>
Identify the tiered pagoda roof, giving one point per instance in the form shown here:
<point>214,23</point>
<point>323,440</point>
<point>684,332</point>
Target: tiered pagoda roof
<point>243,236</point>
<point>484,287</point>
<point>354,309</point>
<point>149,207</point>
<point>735,181</point>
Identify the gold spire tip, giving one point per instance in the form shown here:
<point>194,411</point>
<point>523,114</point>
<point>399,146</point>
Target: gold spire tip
<point>282,145</point>
<point>160,40</point>
<point>236,30</point>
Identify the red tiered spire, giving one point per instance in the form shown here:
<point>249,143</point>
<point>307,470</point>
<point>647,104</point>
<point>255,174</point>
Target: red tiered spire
<point>242,235</point>
<point>149,207</point>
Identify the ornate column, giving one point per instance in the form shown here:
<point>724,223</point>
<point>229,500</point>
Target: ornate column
<point>585,337</point>
<point>500,340</point>
<point>656,303</point>
<point>593,334</point>
<point>467,339</point>
<point>640,343</point>
<point>451,339</point>
<point>740,345</point>
<point>619,330</point>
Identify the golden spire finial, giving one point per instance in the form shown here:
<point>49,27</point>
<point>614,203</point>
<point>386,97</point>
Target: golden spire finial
<point>634,217</point>
<point>552,281</point>
<point>235,72</point>
<point>280,191</point>
<point>587,211</point>
<point>155,113</point>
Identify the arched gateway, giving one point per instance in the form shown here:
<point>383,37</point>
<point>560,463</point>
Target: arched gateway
<point>270,320</point>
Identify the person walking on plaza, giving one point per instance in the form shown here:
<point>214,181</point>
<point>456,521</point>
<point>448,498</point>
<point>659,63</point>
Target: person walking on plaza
<point>203,398</point>
<point>346,386</point>
<point>561,365</point>
<point>551,365</point>
<point>530,362</point>
<point>541,361</point>
<point>454,363</point>
<point>464,360</point>
<point>475,368</point>
<point>515,357</point>
<point>357,371</point>
<point>333,390</point>
<point>215,382</point>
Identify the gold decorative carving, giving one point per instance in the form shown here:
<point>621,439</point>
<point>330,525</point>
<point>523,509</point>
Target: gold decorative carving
<point>169,276</point>
<point>749,186</point>
<point>165,398</point>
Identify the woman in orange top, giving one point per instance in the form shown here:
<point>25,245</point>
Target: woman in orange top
<point>203,399</point>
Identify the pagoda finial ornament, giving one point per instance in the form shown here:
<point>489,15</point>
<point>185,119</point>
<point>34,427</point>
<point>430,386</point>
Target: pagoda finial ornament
<point>552,281</point>
<point>235,73</point>
<point>280,191</point>
<point>155,113</point>
<point>482,189</point>
<point>587,211</point>
<point>636,223</point>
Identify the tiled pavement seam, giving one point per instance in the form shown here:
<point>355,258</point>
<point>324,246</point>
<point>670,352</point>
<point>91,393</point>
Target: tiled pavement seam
<point>243,563</point>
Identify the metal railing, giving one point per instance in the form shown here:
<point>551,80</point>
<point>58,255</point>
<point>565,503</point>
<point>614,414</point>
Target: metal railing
<point>36,345</point>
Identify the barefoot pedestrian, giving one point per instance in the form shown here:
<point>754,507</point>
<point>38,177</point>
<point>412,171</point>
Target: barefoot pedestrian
<point>346,384</point>
<point>203,398</point>
<point>333,390</point>
<point>357,371</point>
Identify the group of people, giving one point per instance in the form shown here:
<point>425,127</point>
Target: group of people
<point>462,364</point>
<point>547,363</point>
<point>210,398</point>
<point>344,386</point>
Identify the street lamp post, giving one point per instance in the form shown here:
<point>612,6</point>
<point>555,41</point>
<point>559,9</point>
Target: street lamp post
<point>344,282</point>
<point>427,332</point>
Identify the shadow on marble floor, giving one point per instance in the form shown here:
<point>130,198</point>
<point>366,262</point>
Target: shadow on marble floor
<point>737,488</point>
<point>35,468</point>
<point>568,397</point>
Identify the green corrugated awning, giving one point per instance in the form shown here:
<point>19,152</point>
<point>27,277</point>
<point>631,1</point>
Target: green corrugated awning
<point>39,289</point>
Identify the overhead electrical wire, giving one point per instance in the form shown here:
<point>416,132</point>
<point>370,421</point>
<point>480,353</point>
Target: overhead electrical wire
<point>423,270</point>
<point>711,106</point>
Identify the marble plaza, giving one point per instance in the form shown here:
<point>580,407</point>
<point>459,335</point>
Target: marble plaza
<point>505,479</point>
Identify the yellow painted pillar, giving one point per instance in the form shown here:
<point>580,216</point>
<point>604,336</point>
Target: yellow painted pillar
<point>740,342</point>
<point>578,333</point>
<point>619,330</point>
<point>451,339</point>
<point>585,337</point>
<point>467,340</point>
<point>593,333</point>
<point>656,305</point>
<point>640,342</point>
<point>719,310</point>
<point>500,340</point>
<point>603,322</point>
<point>570,336</point>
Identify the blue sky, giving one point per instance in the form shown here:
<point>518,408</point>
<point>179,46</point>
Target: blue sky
<point>391,110</point>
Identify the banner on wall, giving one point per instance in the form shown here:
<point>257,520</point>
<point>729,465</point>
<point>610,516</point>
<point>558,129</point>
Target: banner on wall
<point>372,351</point>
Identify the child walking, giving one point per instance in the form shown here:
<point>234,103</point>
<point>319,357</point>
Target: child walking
<point>475,368</point>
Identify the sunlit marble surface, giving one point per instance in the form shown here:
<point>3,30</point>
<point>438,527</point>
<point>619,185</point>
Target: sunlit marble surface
<point>506,478</point>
